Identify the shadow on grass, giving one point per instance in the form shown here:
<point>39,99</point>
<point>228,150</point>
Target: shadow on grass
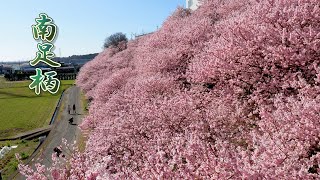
<point>10,132</point>
<point>13,95</point>
<point>14,86</point>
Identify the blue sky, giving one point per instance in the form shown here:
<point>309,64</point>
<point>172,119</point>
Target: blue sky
<point>83,25</point>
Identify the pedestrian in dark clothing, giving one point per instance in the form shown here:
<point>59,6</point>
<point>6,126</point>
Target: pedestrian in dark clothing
<point>57,150</point>
<point>69,109</point>
<point>74,108</point>
<point>71,120</point>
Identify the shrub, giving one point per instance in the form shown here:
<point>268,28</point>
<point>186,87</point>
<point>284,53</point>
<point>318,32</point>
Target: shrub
<point>116,40</point>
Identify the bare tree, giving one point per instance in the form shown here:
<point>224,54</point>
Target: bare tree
<point>115,39</point>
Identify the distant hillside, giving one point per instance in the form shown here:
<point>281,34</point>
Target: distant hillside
<point>77,59</point>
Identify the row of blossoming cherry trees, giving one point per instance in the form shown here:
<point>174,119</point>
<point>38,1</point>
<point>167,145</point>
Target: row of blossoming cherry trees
<point>229,91</point>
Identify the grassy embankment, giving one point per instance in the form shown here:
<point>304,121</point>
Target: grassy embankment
<point>25,148</point>
<point>82,139</point>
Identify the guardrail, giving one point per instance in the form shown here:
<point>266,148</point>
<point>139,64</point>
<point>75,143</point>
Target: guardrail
<point>56,109</point>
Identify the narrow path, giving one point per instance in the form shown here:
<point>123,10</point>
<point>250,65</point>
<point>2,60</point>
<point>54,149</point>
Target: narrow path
<point>61,129</point>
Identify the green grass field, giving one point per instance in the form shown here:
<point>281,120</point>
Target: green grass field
<point>22,110</point>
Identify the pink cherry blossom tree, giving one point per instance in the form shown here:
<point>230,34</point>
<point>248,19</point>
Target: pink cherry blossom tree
<point>229,91</point>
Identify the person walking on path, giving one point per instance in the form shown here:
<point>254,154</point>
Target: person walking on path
<point>74,108</point>
<point>69,109</point>
<point>57,151</point>
<point>71,120</point>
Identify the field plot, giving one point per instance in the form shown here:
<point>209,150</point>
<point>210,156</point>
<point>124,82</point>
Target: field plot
<point>22,110</point>
<point>9,164</point>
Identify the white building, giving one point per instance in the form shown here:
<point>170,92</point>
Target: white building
<point>192,4</point>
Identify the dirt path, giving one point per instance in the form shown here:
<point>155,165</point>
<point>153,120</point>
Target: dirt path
<point>61,128</point>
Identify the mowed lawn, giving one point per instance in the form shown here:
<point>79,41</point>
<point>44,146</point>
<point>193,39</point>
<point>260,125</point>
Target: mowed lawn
<point>22,110</point>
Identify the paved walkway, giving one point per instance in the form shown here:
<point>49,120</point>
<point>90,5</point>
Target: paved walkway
<point>61,129</point>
